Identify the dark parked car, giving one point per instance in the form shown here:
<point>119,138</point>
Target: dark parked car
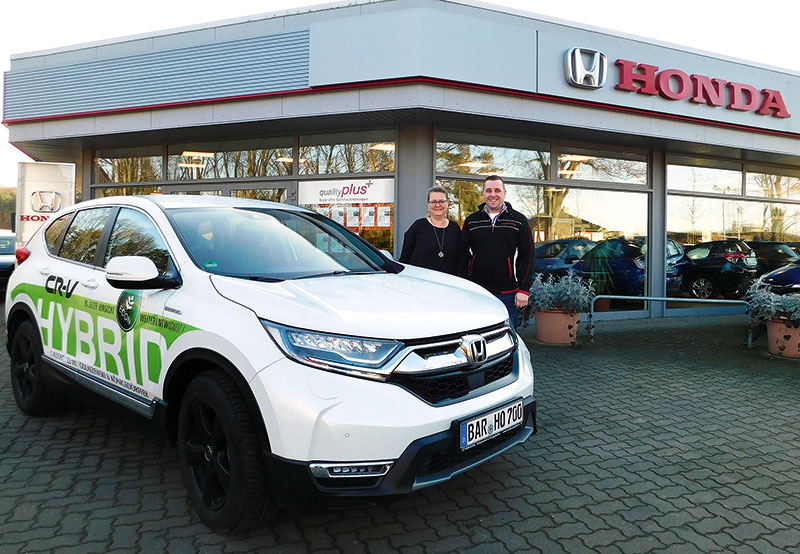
<point>556,257</point>
<point>784,280</point>
<point>726,267</point>
<point>7,258</point>
<point>772,255</point>
<point>617,266</point>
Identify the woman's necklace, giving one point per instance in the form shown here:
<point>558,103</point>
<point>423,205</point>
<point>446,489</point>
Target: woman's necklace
<point>440,243</point>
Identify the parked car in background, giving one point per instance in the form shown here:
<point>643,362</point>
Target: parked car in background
<point>726,267</point>
<point>7,258</point>
<point>617,266</point>
<point>784,280</point>
<point>772,254</point>
<point>556,257</point>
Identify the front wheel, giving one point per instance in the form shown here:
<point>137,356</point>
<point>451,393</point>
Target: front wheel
<point>220,455</point>
<point>27,382</point>
<point>702,287</point>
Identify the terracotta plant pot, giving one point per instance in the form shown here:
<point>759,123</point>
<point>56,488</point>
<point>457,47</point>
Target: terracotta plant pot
<point>556,326</point>
<point>783,338</point>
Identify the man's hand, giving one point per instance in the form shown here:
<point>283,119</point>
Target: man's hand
<point>521,300</point>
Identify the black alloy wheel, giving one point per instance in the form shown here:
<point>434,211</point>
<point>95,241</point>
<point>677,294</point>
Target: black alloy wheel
<point>220,455</point>
<point>27,383</point>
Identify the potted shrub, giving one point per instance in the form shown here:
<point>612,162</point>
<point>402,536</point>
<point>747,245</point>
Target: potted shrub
<point>781,313</point>
<point>556,304</point>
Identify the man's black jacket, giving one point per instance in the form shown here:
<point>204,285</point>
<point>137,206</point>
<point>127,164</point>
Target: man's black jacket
<point>486,252</point>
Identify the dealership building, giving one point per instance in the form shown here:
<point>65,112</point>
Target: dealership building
<point>355,109</point>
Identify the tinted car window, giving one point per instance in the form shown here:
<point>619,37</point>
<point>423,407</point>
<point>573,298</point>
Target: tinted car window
<point>135,235</point>
<point>53,232</point>
<point>80,242</point>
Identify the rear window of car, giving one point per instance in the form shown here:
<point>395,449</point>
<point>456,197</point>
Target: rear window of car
<point>53,233</point>
<point>698,253</point>
<point>80,242</point>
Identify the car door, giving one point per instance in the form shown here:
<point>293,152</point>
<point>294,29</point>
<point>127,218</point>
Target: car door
<point>116,352</point>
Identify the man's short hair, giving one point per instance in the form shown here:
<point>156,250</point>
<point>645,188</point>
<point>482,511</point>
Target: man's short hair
<point>495,178</point>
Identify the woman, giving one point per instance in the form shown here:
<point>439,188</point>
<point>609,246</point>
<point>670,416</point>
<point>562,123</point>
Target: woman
<point>432,242</point>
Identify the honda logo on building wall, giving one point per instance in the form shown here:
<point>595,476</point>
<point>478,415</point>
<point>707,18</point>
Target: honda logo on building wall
<point>474,348</point>
<point>586,68</point>
<point>46,201</point>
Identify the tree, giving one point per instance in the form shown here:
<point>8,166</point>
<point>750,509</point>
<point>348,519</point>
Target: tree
<point>8,205</point>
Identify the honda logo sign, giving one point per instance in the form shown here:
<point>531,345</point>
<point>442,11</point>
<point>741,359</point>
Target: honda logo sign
<point>45,201</point>
<point>474,348</point>
<point>586,68</point>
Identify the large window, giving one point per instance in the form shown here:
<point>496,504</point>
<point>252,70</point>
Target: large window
<point>235,159</point>
<point>483,155</point>
<point>367,152</point>
<point>710,177</point>
<point>610,167</point>
<point>128,165</point>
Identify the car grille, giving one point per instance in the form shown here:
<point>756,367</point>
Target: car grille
<point>435,388</point>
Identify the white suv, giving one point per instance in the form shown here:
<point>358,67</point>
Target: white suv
<point>290,360</point>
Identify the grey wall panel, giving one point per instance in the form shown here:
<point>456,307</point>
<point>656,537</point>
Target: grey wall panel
<point>227,69</point>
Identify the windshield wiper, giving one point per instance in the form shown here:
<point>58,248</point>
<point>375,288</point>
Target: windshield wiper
<point>326,274</point>
<point>263,278</point>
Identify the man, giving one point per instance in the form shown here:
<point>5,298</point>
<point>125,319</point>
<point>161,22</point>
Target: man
<point>491,239</point>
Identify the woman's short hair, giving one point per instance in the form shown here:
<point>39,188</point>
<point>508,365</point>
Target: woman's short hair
<point>437,188</point>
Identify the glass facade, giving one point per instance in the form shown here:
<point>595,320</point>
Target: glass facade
<point>532,162</point>
<point>128,165</point>
<point>230,159</point>
<point>609,167</point>
<point>368,152</point>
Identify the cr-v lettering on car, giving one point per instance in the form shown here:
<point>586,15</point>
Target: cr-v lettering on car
<point>288,359</point>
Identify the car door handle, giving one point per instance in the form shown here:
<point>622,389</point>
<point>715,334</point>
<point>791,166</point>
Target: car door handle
<point>90,284</point>
<point>45,270</point>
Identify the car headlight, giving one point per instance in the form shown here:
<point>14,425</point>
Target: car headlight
<point>363,357</point>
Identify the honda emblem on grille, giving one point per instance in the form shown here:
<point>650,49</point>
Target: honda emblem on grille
<point>46,201</point>
<point>474,348</point>
<point>583,75</point>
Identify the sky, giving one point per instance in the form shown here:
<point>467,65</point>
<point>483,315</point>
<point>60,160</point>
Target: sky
<point>765,32</point>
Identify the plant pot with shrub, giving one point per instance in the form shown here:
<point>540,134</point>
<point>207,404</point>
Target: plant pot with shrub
<point>556,304</point>
<point>781,314</point>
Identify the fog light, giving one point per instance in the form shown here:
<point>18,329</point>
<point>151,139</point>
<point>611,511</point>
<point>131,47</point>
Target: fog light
<point>354,469</point>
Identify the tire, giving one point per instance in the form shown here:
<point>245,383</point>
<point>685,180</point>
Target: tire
<point>27,382</point>
<point>703,287</point>
<point>220,455</point>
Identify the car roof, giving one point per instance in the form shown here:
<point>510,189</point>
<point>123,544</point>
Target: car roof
<point>179,201</point>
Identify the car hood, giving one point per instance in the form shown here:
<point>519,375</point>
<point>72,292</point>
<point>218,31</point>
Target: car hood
<point>416,303</point>
<point>786,275</point>
<point>7,260</point>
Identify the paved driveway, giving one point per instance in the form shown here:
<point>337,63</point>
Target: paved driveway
<point>664,436</point>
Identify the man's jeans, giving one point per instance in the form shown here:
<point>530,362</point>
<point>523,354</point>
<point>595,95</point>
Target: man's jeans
<point>513,314</point>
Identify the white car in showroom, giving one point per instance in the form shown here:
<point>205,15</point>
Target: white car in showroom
<point>289,360</point>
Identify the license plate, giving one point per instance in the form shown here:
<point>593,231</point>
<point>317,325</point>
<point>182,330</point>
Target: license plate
<point>484,427</point>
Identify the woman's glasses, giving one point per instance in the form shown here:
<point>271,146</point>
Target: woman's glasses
<point>437,202</point>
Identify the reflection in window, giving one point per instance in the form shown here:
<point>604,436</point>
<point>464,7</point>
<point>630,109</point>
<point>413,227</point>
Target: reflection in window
<point>135,235</point>
<point>474,159</point>
<point>270,195</point>
<point>80,242</point>
<point>704,179</point>
<point>772,186</point>
<point>128,165</point>
<point>198,192</point>
<point>362,152</point>
<point>230,159</point>
<point>53,232</point>
<point>691,220</point>
<point>612,167</point>
<point>123,191</point>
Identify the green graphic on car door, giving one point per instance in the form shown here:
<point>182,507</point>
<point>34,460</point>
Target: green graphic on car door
<point>104,339</point>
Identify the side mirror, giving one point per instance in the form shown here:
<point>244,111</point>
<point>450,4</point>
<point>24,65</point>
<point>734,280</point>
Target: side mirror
<point>138,272</point>
<point>571,259</point>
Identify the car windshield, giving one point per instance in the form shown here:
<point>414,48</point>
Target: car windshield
<point>783,252</point>
<point>7,245</point>
<point>270,244</point>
